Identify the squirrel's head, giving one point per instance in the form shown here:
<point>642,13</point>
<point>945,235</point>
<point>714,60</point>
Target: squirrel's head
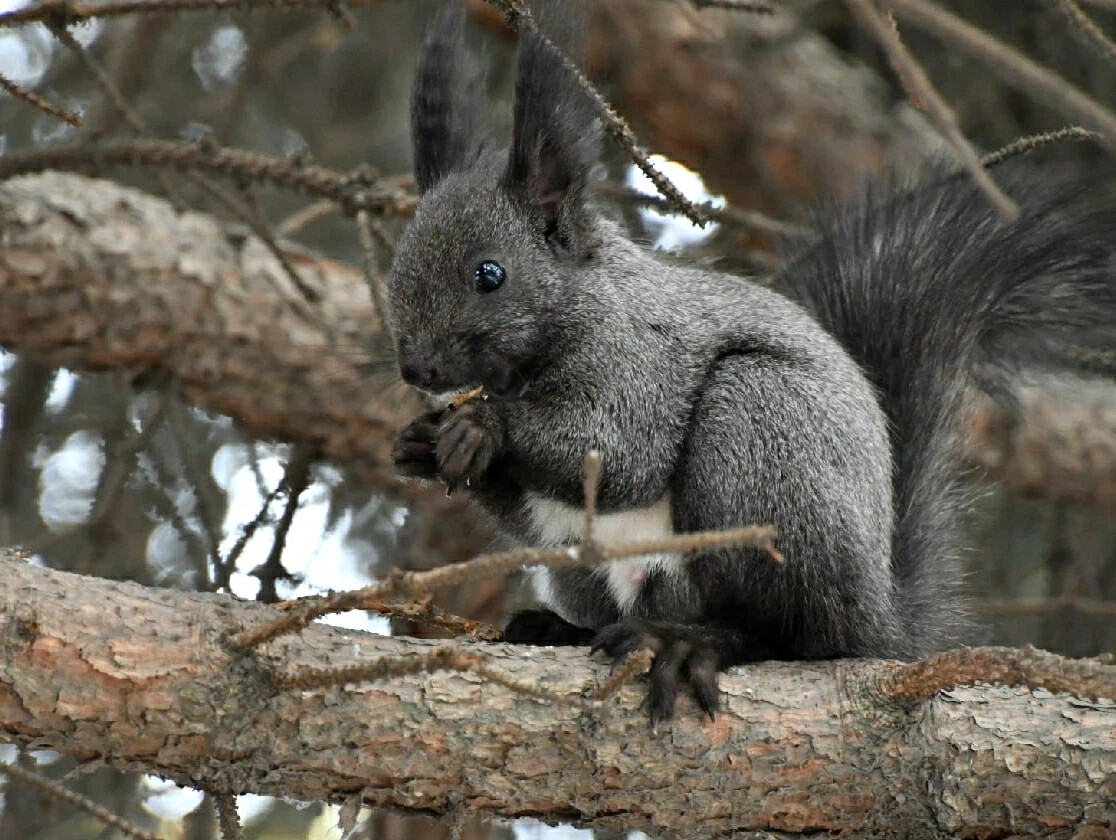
<point>492,255</point>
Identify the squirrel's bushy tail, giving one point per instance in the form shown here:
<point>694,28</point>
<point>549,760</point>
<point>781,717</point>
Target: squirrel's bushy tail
<point>929,290</point>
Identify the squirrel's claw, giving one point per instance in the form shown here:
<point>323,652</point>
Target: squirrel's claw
<point>414,451</point>
<point>465,446</point>
<point>683,657</point>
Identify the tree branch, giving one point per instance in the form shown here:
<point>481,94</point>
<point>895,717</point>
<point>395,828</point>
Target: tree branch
<point>97,276</point>
<point>94,275</point>
<point>145,680</point>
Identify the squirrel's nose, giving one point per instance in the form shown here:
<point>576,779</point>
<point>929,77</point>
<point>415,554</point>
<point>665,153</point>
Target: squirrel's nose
<point>414,369</point>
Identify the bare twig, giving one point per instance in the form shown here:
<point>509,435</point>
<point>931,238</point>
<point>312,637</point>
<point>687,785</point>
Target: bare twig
<point>1012,67</point>
<point>61,794</point>
<point>591,467</point>
<point>1023,145</point>
<point>424,611</point>
<point>304,216</point>
<point>922,93</point>
<point>94,69</point>
<point>409,584</point>
<point>250,213</point>
<point>369,231</point>
<point>32,98</point>
<point>228,818</point>
<point>353,191</point>
<point>447,658</point>
<point>519,18</point>
<point>1084,27</point>
<point>733,216</point>
<point>756,6</point>
<point>920,681</point>
<point>66,13</point>
<point>228,565</point>
<point>254,217</point>
<point>206,506</point>
<point>635,665</point>
<point>297,478</point>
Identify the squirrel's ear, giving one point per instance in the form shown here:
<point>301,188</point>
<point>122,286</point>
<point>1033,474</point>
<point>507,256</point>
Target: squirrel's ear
<point>556,135</point>
<point>443,98</point>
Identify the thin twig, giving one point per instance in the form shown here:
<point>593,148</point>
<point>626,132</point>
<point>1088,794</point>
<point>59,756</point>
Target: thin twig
<point>1024,145</point>
<point>207,515</point>
<point>99,76</point>
<point>1031,668</point>
<point>32,98</point>
<point>446,658</point>
<point>1013,68</point>
<point>728,215</point>
<point>252,214</point>
<point>591,467</point>
<point>425,612</point>
<point>411,584</point>
<point>353,191</point>
<point>519,18</point>
<point>369,232</point>
<point>61,794</point>
<point>67,13</point>
<point>634,665</point>
<point>1084,27</point>
<point>249,214</point>
<point>228,565</point>
<point>304,216</point>
<point>758,7</point>
<point>297,479</point>
<point>924,96</point>
<point>228,818</point>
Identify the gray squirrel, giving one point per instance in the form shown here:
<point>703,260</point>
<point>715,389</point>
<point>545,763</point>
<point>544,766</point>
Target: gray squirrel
<point>829,411</point>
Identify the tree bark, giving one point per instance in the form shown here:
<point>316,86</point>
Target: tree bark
<point>144,679</point>
<point>94,275</point>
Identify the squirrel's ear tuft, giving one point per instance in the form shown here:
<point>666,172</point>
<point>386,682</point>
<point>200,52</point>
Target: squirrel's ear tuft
<point>443,99</point>
<point>555,140</point>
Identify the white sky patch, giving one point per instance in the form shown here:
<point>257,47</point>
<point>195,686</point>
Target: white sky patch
<point>60,390</point>
<point>528,829</point>
<point>25,53</point>
<point>323,558</point>
<point>168,801</point>
<point>219,60</point>
<point>674,231</point>
<point>68,480</point>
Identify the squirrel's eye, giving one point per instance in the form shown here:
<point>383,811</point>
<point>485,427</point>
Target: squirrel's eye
<point>489,276</point>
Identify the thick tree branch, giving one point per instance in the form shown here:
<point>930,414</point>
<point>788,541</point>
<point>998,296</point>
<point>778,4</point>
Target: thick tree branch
<point>146,680</point>
<point>97,276</point>
<point>94,275</point>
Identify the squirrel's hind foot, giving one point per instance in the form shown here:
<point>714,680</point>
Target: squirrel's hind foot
<point>685,656</point>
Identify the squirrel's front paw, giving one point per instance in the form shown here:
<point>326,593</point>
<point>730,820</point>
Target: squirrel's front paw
<point>414,452</point>
<point>468,439</point>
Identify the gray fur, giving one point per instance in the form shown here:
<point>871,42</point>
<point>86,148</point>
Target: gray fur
<point>830,415</point>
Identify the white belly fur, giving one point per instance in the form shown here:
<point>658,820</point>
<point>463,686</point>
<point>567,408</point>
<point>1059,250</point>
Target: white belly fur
<point>557,523</point>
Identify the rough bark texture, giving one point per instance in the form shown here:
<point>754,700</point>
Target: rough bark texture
<point>94,275</point>
<point>143,679</point>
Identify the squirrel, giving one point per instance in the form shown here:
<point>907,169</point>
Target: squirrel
<point>829,409</point>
